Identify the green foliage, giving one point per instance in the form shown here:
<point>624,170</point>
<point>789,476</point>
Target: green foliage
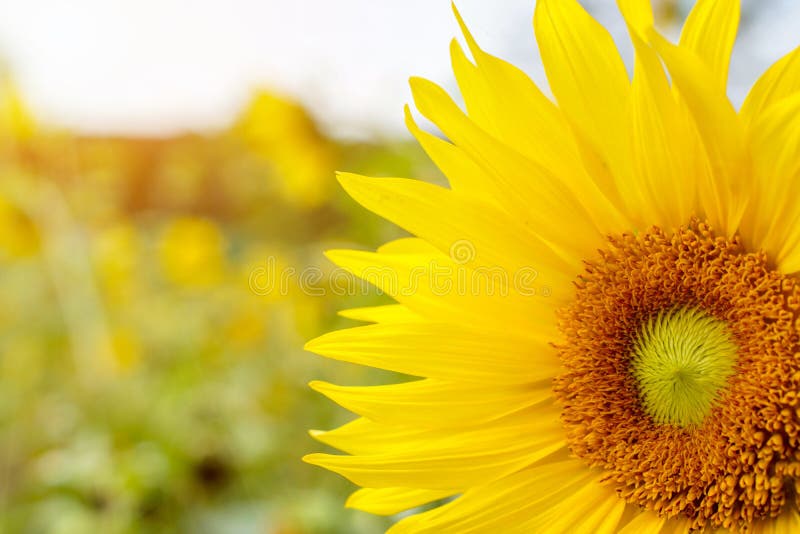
<point>145,384</point>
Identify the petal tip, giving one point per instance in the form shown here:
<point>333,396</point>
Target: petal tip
<point>314,458</point>
<point>317,385</point>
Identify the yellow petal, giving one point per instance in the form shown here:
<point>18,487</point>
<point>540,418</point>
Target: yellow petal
<point>788,522</point>
<point>390,501</point>
<point>660,141</point>
<point>556,497</point>
<point>511,107</point>
<point>680,525</point>
<point>389,313</point>
<point>586,74</point>
<point>501,99</point>
<point>709,32</point>
<point>725,196</point>
<point>455,459</point>
<point>780,81</point>
<point>518,113</point>
<point>438,287</point>
<point>365,437</point>
<point>772,221</point>
<point>447,221</point>
<point>530,192</point>
<point>593,508</point>
<point>463,174</point>
<point>646,521</point>
<point>434,403</point>
<point>441,351</point>
<point>638,15</point>
<point>475,91</point>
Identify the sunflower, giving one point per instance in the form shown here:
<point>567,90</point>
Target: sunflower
<point>601,309</point>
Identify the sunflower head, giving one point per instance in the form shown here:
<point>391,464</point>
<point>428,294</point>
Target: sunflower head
<point>618,349</point>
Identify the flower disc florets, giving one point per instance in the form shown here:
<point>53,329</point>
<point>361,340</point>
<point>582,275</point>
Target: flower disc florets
<point>682,377</point>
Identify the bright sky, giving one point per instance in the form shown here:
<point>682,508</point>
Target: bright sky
<point>160,66</point>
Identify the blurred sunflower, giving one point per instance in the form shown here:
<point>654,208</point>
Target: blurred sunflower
<point>16,122</point>
<point>284,134</point>
<point>647,380</point>
<point>192,252</point>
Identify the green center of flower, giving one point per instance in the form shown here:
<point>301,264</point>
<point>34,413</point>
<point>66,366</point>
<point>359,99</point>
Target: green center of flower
<point>681,360</point>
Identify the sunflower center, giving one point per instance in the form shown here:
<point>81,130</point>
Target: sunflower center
<point>682,375</point>
<point>681,360</point>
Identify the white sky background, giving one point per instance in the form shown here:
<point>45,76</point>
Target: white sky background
<point>155,67</point>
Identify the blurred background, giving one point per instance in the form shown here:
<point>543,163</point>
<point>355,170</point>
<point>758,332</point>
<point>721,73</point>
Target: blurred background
<point>159,162</point>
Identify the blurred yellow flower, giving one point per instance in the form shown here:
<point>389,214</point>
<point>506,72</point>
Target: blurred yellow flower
<point>16,122</point>
<point>126,347</point>
<point>282,133</point>
<point>272,121</point>
<point>193,252</point>
<point>247,325</point>
<point>18,234</point>
<point>117,257</point>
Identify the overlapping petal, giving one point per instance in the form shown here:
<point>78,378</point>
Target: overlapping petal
<point>445,352</point>
<point>387,313</point>
<point>773,220</point>
<point>432,403</point>
<point>578,54</point>
<point>390,501</point>
<point>663,185</point>
<point>444,219</point>
<point>553,497</point>
<point>505,102</point>
<point>725,192</point>
<point>443,460</point>
<point>780,81</point>
<point>709,32</point>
